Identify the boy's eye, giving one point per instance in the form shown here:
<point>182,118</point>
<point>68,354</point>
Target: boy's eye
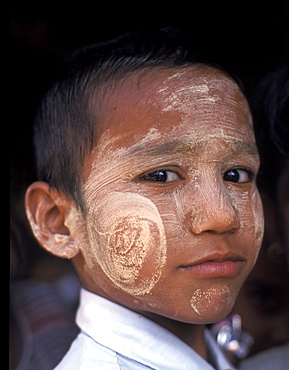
<point>161,176</point>
<point>239,175</point>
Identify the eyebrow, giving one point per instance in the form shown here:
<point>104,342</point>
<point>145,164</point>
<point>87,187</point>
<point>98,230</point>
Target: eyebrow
<point>245,147</point>
<point>238,147</point>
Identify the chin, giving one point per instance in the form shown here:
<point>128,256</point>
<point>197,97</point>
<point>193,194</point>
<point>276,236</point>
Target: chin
<point>198,315</point>
<point>212,305</point>
<point>216,316</point>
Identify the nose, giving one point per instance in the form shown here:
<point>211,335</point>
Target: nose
<point>212,211</point>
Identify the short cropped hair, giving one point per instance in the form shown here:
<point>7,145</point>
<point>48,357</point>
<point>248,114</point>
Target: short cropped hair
<point>67,120</point>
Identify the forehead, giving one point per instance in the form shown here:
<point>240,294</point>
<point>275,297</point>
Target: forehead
<point>198,103</point>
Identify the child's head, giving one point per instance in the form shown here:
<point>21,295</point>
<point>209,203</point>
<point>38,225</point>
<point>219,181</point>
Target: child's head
<point>71,113</point>
<point>151,160</point>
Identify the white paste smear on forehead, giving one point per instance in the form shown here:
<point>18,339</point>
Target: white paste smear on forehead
<point>128,241</point>
<point>183,98</point>
<point>201,301</point>
<point>177,100</point>
<point>191,93</point>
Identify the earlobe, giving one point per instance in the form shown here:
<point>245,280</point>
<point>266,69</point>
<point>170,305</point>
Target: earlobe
<point>47,212</point>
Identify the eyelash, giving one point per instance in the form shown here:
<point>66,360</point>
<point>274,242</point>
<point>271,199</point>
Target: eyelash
<point>153,176</point>
<point>250,175</point>
<point>233,175</point>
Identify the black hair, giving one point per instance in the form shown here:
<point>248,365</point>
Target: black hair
<point>66,124</point>
<point>273,101</point>
<point>270,109</point>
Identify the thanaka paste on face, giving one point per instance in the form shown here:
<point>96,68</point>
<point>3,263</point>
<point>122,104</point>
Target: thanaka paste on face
<point>205,90</point>
<point>114,228</point>
<point>201,301</point>
<point>127,238</point>
<point>182,98</point>
<point>185,100</point>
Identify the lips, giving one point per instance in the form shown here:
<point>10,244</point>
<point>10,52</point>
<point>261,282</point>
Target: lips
<point>216,265</point>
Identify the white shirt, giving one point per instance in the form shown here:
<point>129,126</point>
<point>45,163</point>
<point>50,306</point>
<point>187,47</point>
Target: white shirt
<point>113,337</point>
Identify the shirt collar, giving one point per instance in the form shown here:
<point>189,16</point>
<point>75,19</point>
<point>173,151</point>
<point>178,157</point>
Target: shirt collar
<point>134,336</point>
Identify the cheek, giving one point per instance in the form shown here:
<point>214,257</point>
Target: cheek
<point>250,212</point>
<point>127,240</point>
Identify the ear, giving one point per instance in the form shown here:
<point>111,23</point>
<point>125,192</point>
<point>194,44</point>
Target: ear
<point>47,212</point>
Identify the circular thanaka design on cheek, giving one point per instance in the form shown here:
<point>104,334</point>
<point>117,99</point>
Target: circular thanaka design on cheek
<point>128,241</point>
<point>203,302</point>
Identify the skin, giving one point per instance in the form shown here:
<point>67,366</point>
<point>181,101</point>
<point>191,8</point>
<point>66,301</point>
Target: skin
<point>137,234</point>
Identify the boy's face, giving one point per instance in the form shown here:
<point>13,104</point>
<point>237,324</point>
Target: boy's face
<point>174,221</point>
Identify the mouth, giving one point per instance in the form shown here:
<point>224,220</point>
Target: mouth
<point>228,265</point>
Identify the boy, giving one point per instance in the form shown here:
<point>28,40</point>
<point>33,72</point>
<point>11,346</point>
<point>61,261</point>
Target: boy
<point>148,163</point>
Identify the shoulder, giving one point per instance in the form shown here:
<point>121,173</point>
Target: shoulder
<point>85,353</point>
